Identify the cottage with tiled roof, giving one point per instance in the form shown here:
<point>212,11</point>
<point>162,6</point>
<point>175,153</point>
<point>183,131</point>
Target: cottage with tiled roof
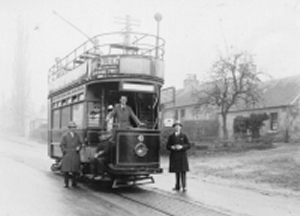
<point>199,123</point>
<point>185,104</point>
<point>280,100</point>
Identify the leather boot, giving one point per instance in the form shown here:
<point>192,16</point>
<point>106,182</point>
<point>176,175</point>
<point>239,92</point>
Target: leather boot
<point>74,179</point>
<point>66,179</point>
<point>183,180</point>
<point>177,184</point>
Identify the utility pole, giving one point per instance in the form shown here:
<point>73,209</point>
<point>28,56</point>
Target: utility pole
<point>158,18</point>
<point>129,23</point>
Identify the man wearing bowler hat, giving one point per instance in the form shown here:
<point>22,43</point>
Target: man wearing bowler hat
<point>177,144</point>
<point>70,145</point>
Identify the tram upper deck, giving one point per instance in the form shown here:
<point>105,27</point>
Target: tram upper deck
<point>110,55</point>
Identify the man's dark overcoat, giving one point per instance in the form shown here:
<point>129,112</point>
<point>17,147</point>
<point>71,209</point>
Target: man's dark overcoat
<point>178,158</point>
<point>71,156</point>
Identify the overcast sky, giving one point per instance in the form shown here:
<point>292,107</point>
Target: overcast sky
<point>196,32</point>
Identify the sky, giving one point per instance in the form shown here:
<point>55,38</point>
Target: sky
<point>196,33</point>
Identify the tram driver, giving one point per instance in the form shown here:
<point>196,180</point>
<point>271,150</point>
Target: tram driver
<point>122,114</point>
<point>102,156</point>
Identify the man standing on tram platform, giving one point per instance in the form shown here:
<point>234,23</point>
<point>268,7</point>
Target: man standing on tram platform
<point>122,114</point>
<point>70,145</point>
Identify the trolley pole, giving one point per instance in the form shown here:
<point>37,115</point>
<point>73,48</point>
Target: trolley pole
<point>75,27</point>
<point>158,18</point>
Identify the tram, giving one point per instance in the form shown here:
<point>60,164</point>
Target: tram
<point>94,76</point>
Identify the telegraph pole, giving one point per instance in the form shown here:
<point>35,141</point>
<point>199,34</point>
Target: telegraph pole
<point>128,22</point>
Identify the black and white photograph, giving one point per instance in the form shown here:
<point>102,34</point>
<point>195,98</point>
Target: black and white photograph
<point>150,107</point>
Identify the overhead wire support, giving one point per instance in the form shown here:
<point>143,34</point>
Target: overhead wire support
<point>129,23</point>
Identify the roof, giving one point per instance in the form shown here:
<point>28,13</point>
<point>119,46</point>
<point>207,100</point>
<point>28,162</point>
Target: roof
<point>185,97</point>
<point>275,93</point>
<point>280,92</point>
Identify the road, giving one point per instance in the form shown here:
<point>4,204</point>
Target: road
<point>29,188</point>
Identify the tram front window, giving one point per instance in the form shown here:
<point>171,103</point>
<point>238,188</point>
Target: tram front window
<point>147,109</point>
<point>144,106</point>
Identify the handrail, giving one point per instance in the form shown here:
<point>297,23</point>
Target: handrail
<point>148,46</point>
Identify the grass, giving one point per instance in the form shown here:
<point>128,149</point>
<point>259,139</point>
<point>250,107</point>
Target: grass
<point>278,167</point>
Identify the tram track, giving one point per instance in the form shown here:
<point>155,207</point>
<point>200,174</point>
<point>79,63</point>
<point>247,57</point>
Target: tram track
<point>162,203</point>
<point>147,205</point>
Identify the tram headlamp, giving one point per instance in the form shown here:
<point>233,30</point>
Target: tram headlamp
<point>140,149</point>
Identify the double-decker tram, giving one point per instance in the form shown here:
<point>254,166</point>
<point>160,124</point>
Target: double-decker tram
<point>93,77</point>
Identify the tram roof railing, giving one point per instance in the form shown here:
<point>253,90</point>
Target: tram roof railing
<point>110,44</point>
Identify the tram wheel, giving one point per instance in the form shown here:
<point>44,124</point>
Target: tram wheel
<point>55,167</point>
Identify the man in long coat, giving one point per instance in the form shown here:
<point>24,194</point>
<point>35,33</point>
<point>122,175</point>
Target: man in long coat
<point>122,114</point>
<point>177,144</point>
<point>70,145</point>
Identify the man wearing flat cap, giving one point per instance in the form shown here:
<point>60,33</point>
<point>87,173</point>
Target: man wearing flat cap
<point>70,145</point>
<point>178,144</point>
<point>102,156</point>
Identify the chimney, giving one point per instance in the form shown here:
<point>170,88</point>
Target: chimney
<point>190,80</point>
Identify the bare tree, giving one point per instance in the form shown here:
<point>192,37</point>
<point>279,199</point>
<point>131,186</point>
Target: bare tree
<point>233,81</point>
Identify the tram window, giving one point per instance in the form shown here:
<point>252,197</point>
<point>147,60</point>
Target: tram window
<point>78,114</point>
<point>55,119</point>
<point>65,116</point>
<point>81,97</point>
<point>74,99</point>
<point>95,112</point>
<point>147,103</point>
<point>64,102</point>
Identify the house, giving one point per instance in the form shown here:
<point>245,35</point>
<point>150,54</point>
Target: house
<point>185,104</point>
<point>199,123</point>
<point>280,99</point>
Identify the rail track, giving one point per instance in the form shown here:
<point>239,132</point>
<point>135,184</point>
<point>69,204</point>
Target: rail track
<point>155,202</point>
